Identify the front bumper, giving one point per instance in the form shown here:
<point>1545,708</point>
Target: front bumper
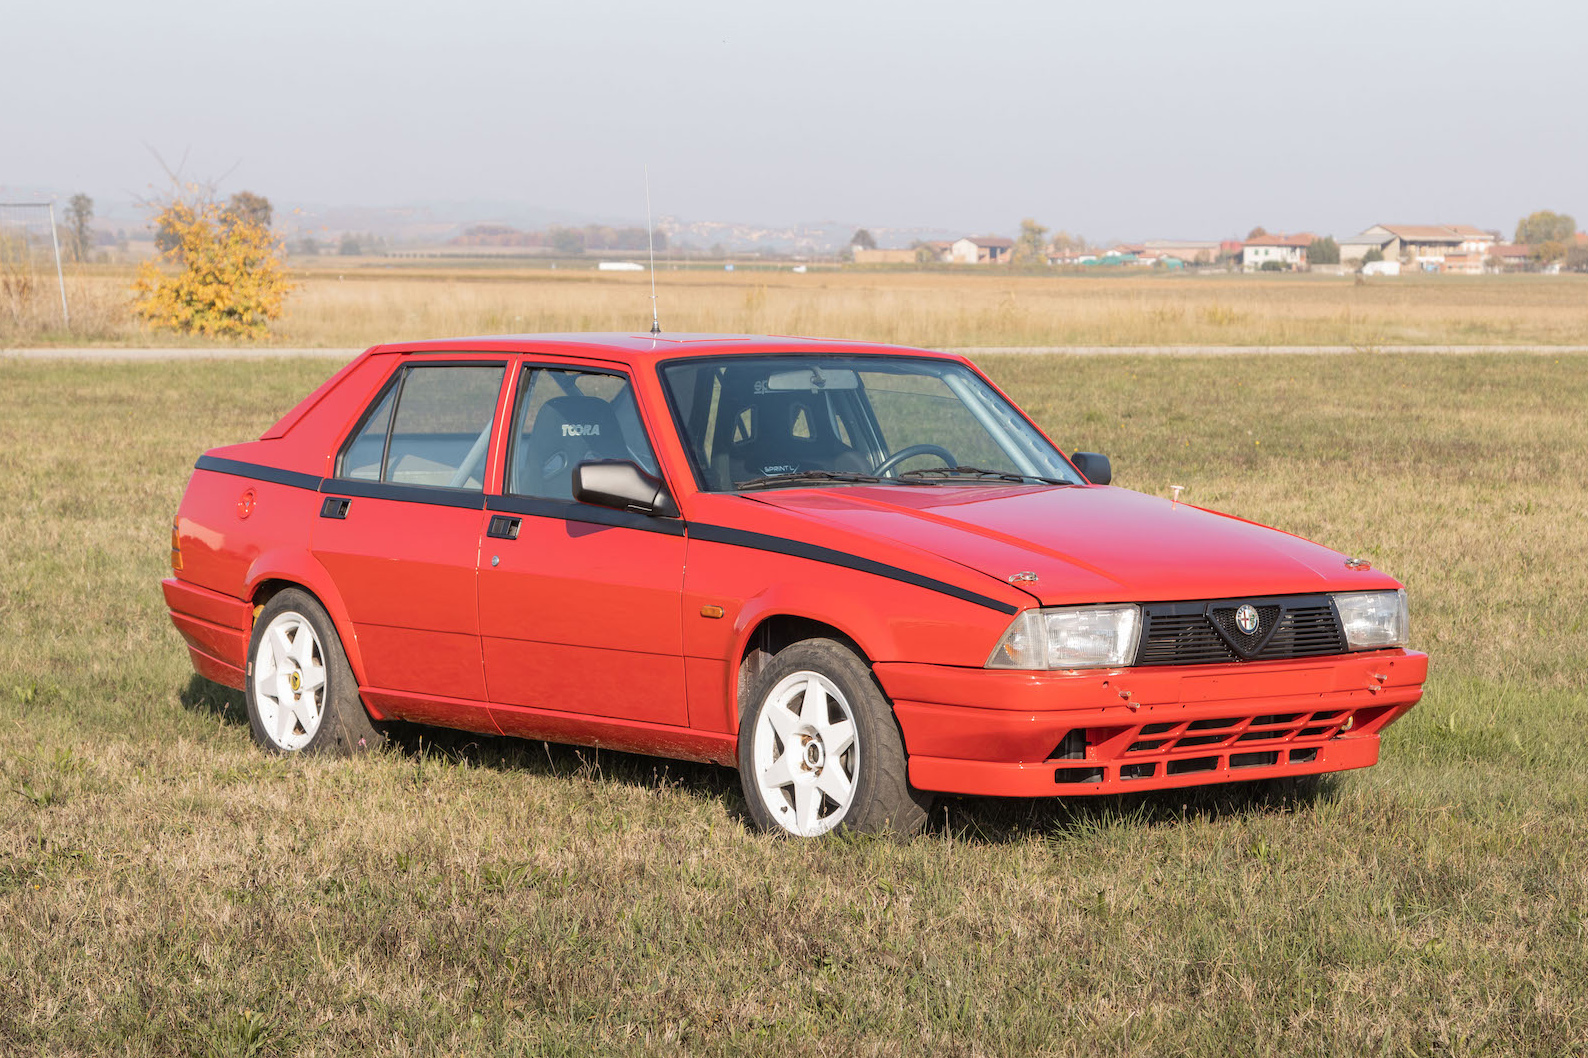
<point>990,732</point>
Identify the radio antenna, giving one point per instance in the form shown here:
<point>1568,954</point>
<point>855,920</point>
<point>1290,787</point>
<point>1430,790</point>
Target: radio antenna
<point>650,239</point>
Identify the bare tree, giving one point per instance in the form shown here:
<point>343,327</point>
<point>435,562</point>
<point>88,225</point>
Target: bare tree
<point>79,226</point>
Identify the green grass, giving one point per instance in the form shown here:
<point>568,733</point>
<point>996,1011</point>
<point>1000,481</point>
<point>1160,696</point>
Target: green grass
<point>167,888</point>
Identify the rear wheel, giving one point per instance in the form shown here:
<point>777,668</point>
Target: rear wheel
<point>819,748</point>
<point>300,689</point>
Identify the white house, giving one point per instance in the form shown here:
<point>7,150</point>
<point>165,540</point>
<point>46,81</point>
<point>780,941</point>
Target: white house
<point>981,249</point>
<point>1288,251</point>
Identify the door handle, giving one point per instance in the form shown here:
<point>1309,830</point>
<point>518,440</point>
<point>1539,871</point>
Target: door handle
<point>503,527</point>
<point>335,507</point>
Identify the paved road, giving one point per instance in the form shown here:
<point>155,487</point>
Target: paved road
<point>246,352</point>
<point>1230,350</point>
<point>119,353</point>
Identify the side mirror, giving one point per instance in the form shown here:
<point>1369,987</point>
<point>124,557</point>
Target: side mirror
<point>622,485</point>
<point>1094,466</point>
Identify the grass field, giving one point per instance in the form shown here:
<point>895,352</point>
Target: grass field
<point>363,304</point>
<point>167,888</point>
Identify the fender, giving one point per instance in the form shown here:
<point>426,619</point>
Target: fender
<point>300,567</point>
<point>875,641</point>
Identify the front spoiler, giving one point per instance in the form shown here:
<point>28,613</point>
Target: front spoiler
<point>991,732</point>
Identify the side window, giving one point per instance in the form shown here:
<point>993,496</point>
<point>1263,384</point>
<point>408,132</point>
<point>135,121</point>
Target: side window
<point>564,418</point>
<point>432,426</point>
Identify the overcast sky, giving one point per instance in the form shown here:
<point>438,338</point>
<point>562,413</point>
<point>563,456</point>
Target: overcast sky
<point>1122,119</point>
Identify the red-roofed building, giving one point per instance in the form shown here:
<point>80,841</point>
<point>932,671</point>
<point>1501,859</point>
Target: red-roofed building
<point>1509,257</point>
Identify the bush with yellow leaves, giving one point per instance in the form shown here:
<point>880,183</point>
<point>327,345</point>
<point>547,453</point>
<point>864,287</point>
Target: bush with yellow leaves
<point>230,280</point>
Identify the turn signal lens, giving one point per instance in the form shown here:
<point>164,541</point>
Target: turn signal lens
<point>176,549</point>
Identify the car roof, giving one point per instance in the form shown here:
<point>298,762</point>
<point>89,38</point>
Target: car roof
<point>636,349</point>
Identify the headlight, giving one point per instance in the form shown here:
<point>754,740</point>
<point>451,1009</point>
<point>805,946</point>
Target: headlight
<point>1373,619</point>
<point>1072,637</point>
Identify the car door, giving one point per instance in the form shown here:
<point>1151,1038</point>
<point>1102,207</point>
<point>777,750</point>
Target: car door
<point>399,530</point>
<point>579,605</point>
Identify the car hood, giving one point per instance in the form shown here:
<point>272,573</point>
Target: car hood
<point>1085,544</point>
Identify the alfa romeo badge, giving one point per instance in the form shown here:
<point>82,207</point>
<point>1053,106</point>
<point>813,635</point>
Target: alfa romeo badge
<point>1246,618</point>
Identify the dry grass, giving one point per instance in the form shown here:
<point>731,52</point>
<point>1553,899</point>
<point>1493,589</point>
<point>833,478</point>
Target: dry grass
<point>364,304</point>
<point>166,888</point>
<point>100,308</point>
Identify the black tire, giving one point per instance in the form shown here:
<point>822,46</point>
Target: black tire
<point>874,762</point>
<point>344,725</point>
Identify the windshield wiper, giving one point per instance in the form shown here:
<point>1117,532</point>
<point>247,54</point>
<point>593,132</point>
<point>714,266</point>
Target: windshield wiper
<point>981,472</point>
<point>795,477</point>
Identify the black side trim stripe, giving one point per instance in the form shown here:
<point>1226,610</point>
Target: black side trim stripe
<point>584,512</point>
<point>718,534</point>
<point>258,472</point>
<point>573,511</point>
<point>386,490</point>
<point>380,490</point>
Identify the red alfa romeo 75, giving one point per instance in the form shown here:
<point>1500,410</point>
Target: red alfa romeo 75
<point>858,573</point>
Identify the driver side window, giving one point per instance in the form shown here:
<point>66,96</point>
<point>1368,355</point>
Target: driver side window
<point>564,418</point>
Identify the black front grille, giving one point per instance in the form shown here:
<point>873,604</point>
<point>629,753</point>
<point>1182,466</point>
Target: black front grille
<point>1205,632</point>
<point>1181,639</point>
<point>1305,632</point>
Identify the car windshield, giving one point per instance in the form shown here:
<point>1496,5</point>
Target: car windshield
<point>765,421</point>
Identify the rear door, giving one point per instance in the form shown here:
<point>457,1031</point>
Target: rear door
<point>579,605</point>
<point>399,530</point>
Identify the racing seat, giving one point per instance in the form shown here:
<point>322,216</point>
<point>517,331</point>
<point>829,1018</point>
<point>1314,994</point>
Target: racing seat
<point>567,431</point>
<point>789,432</point>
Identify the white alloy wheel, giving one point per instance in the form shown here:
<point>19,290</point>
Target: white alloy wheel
<point>805,756</point>
<point>290,681</point>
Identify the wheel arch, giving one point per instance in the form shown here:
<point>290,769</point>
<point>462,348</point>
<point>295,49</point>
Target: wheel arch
<point>274,572</point>
<point>772,633</point>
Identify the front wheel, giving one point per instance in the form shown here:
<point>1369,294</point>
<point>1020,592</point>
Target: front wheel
<point>301,692</point>
<point>819,748</point>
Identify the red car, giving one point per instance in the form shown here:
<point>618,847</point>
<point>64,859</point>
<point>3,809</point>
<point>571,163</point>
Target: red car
<point>858,573</point>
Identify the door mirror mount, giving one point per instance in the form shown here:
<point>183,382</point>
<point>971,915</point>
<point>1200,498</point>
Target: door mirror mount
<point>1094,466</point>
<point>622,485</point>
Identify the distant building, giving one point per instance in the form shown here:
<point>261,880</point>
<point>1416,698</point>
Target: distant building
<point>1192,251</point>
<point>981,249</point>
<point>1353,249</point>
<point>874,257</point>
<point>1425,245</point>
<point>1288,251</point>
<point>1509,257</point>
